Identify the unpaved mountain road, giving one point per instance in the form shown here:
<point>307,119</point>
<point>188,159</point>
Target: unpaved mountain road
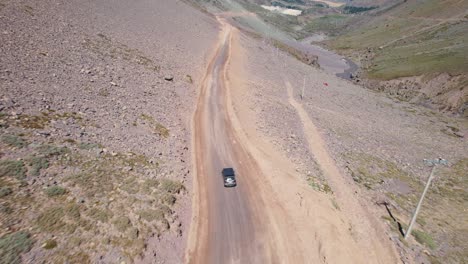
<point>259,221</point>
<point>230,224</point>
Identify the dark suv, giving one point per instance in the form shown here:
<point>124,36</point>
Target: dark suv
<point>229,178</point>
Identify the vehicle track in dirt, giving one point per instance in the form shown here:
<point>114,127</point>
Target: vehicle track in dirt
<point>258,221</point>
<point>230,225</point>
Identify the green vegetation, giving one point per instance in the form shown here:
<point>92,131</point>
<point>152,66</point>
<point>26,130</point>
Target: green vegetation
<point>4,191</point>
<point>49,244</point>
<point>104,46</point>
<point>51,220</point>
<point>171,186</point>
<point>408,44</point>
<point>357,9</point>
<point>42,120</point>
<point>37,164</point>
<point>88,146</point>
<point>424,238</point>
<point>332,24</point>
<point>319,185</point>
<point>55,191</point>
<point>49,150</point>
<point>168,199</point>
<point>100,215</point>
<point>370,171</point>
<point>157,127</point>
<point>14,141</point>
<point>13,168</point>
<point>13,245</point>
<point>122,223</point>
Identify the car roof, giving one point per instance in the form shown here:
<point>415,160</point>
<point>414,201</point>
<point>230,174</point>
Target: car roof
<point>228,172</point>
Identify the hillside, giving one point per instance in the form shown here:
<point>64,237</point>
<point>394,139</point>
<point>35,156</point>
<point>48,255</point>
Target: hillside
<point>415,51</point>
<point>93,169</point>
<point>423,40</point>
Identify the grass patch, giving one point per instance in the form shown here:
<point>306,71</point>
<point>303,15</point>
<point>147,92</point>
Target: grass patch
<point>13,168</point>
<point>122,223</point>
<point>102,216</point>
<point>14,141</point>
<point>424,238</point>
<point>43,120</point>
<point>104,46</point>
<point>151,215</point>
<point>13,245</point>
<point>88,146</point>
<point>49,244</point>
<point>168,199</point>
<point>171,186</point>
<point>37,164</point>
<point>156,126</point>
<point>55,191</point>
<point>72,210</point>
<point>51,220</point>
<point>4,191</point>
<point>49,150</point>
<point>318,186</point>
<point>370,171</point>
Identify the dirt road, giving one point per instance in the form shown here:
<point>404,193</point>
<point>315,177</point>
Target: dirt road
<point>259,221</point>
<point>225,228</point>
<point>231,225</point>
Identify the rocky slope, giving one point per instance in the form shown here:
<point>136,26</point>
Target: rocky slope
<point>379,144</point>
<point>96,102</point>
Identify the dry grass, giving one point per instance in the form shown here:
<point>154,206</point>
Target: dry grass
<point>14,141</point>
<point>156,126</point>
<point>55,191</point>
<point>104,46</point>
<point>13,168</point>
<point>13,245</point>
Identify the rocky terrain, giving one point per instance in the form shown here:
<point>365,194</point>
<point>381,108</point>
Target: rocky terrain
<point>96,103</point>
<point>379,143</point>
<point>96,100</point>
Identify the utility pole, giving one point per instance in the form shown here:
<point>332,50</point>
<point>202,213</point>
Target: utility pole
<point>434,164</point>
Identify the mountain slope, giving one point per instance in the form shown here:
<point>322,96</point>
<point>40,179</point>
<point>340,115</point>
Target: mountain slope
<point>427,39</point>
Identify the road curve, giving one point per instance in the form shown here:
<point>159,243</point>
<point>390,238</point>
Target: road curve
<point>228,227</point>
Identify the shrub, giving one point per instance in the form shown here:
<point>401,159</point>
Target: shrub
<point>73,211</point>
<point>48,150</point>
<point>13,245</point>
<point>424,238</point>
<point>51,220</point>
<point>100,215</point>
<point>171,186</point>
<point>87,146</point>
<point>168,199</point>
<point>13,141</point>
<point>37,164</point>
<point>4,191</point>
<point>55,191</point>
<point>151,215</point>
<point>13,168</point>
<point>122,223</point>
<point>49,244</point>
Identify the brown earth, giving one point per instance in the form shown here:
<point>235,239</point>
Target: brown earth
<point>228,222</point>
<point>96,163</point>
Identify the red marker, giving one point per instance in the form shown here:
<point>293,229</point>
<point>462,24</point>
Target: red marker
<point>326,84</point>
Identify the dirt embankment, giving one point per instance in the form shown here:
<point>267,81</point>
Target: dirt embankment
<point>443,92</point>
<point>95,103</point>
